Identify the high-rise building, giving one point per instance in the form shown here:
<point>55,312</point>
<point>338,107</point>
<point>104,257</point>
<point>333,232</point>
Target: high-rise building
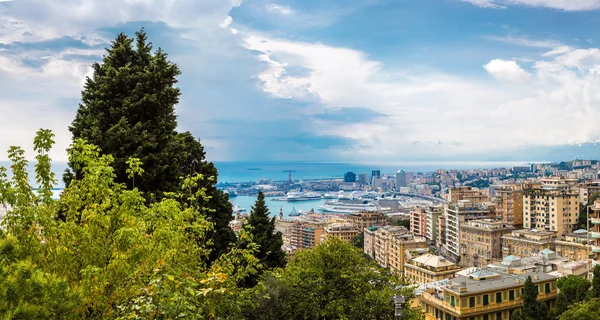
<point>418,225</point>
<point>467,193</point>
<point>363,179</point>
<point>401,179</point>
<point>458,214</point>
<point>554,206</point>
<point>432,215</point>
<point>376,183</point>
<point>594,232</point>
<point>375,173</point>
<point>510,204</point>
<point>481,241</point>
<point>349,177</point>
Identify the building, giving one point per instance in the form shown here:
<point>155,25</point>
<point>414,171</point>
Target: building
<point>552,207</point>
<point>481,241</point>
<point>378,242</point>
<point>594,231</point>
<point>306,234</point>
<point>441,238</point>
<point>401,179</point>
<point>349,177</point>
<point>458,214</point>
<point>510,204</point>
<point>467,193</point>
<point>363,179</point>
<point>376,183</point>
<point>364,220</point>
<point>573,246</point>
<point>375,174</point>
<point>418,224</point>
<point>429,268</point>
<point>343,231</point>
<point>432,222</point>
<point>400,248</point>
<point>523,243</point>
<point>485,294</point>
<point>588,188</point>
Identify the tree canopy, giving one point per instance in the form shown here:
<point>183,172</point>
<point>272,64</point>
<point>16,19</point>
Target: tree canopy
<point>532,308</point>
<point>128,110</point>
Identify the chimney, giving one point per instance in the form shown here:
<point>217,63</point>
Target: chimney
<point>462,287</point>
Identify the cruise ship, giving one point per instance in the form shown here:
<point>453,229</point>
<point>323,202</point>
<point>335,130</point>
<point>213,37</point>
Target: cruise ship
<point>300,196</point>
<point>348,206</point>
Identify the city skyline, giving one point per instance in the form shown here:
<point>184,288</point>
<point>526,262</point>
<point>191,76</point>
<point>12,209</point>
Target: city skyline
<point>372,81</point>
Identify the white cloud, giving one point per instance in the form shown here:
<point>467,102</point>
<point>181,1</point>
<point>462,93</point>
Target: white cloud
<point>507,70</point>
<point>525,42</point>
<point>279,9</point>
<point>566,5</point>
<point>558,51</point>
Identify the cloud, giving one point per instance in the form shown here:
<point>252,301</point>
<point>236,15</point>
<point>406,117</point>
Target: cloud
<point>565,5</point>
<point>274,8</point>
<point>558,51</point>
<point>525,42</point>
<point>506,70</point>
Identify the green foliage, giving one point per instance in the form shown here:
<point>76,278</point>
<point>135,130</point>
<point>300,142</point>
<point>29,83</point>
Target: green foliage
<point>532,308</point>
<point>595,292</point>
<point>128,111</point>
<point>479,183</point>
<point>262,228</point>
<point>588,310</point>
<point>573,289</point>
<point>359,241</point>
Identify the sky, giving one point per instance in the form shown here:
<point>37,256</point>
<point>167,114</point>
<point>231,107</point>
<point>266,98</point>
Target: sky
<point>324,80</point>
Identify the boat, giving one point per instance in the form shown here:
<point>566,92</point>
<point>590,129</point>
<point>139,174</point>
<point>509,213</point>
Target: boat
<point>346,206</point>
<point>294,213</point>
<point>231,193</point>
<point>300,196</point>
<point>238,209</point>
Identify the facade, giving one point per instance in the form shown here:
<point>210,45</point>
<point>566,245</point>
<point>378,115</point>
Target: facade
<point>481,241</point>
<point>378,242</point>
<point>460,213</point>
<point>441,238</point>
<point>375,174</point>
<point>551,207</point>
<point>524,243</point>
<point>467,193</point>
<point>594,231</point>
<point>574,246</point>
<point>363,179</point>
<point>305,234</point>
<point>400,246</point>
<point>376,182</point>
<point>364,220</point>
<point>349,177</point>
<point>343,231</point>
<point>432,215</point>
<point>429,268</point>
<point>401,179</point>
<point>418,225</point>
<point>485,294</point>
<point>510,204</point>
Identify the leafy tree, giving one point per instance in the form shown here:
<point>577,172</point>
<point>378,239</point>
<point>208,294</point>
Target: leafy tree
<point>595,292</point>
<point>334,281</point>
<point>588,310</point>
<point>128,111</point>
<point>262,228</point>
<point>112,256</point>
<point>359,241</point>
<point>532,308</point>
<point>573,289</point>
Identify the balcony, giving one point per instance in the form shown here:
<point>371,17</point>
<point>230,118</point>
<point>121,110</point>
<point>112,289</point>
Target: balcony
<point>595,249</point>
<point>595,235</point>
<point>595,220</point>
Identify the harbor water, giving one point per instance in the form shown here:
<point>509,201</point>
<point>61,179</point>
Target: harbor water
<point>247,202</point>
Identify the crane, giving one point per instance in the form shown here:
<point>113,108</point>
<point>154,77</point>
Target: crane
<point>289,171</point>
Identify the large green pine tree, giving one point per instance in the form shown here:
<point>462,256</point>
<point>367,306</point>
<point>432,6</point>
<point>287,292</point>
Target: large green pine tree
<point>264,234</point>
<point>532,308</point>
<point>595,292</point>
<point>128,110</point>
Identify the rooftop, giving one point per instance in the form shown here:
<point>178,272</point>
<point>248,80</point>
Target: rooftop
<point>488,280</point>
<point>433,261</point>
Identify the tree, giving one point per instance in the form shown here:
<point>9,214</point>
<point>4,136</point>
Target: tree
<point>334,281</point>
<point>595,292</point>
<point>588,310</point>
<point>262,228</point>
<point>532,308</point>
<point>573,289</point>
<point>128,111</point>
<point>359,241</point>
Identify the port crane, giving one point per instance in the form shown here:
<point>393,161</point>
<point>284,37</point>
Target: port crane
<point>289,171</point>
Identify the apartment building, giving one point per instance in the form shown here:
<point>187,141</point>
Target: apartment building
<point>485,294</point>
<point>364,220</point>
<point>343,231</point>
<point>429,268</point>
<point>305,234</point>
<point>458,214</point>
<point>432,222</point>
<point>594,232</point>
<point>441,237</point>
<point>588,188</point>
<point>510,204</point>
<point>399,248</point>
<point>418,224</point>
<point>467,193</point>
<point>524,243</point>
<point>552,207</point>
<point>573,246</point>
<point>481,241</point>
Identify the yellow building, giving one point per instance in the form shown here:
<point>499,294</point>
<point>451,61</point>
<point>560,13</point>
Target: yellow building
<point>481,241</point>
<point>484,295</point>
<point>400,246</point>
<point>510,204</point>
<point>574,246</point>
<point>364,220</point>
<point>429,268</point>
<point>552,207</point>
<point>343,231</point>
<point>523,243</point>
<point>378,241</point>
<point>304,234</point>
<point>467,193</point>
<point>594,232</point>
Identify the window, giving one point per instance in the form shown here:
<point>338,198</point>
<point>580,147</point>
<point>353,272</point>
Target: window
<point>498,297</point>
<point>486,300</point>
<point>471,302</point>
<point>485,317</point>
<point>499,316</point>
<point>511,295</point>
<point>547,287</point>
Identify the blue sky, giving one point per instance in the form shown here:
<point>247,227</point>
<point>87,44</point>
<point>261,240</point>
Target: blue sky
<point>353,80</point>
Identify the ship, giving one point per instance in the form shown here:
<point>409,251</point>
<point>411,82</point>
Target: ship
<point>348,206</point>
<point>300,196</point>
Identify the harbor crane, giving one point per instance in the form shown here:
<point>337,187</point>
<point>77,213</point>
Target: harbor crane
<point>289,171</point>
